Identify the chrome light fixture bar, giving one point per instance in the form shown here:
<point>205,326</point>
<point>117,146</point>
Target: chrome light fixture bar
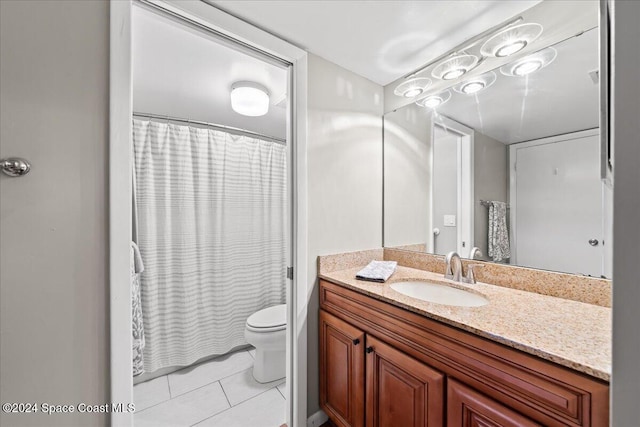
<point>468,44</point>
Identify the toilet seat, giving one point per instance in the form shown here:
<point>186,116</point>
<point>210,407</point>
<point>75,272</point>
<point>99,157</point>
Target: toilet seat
<point>270,319</point>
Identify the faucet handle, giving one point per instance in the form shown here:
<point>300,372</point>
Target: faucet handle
<point>471,277</point>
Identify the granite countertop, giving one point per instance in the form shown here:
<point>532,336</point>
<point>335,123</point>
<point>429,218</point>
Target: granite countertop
<point>570,333</point>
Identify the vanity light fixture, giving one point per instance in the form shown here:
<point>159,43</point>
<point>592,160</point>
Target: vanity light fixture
<point>412,88</point>
<point>511,40</point>
<point>454,67</point>
<point>249,99</point>
<point>476,84</point>
<point>434,101</point>
<point>530,64</point>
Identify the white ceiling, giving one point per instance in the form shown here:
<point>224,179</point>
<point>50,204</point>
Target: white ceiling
<point>380,40</point>
<point>179,72</point>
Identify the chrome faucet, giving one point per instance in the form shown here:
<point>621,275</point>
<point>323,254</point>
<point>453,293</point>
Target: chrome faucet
<point>454,269</point>
<point>475,253</point>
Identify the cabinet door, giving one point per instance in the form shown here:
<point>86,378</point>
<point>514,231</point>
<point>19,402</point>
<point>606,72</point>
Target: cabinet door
<point>341,371</point>
<point>401,391</point>
<point>468,408</point>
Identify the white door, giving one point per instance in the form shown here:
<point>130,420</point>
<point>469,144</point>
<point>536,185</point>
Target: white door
<point>558,205</point>
<point>451,188</point>
<point>445,190</point>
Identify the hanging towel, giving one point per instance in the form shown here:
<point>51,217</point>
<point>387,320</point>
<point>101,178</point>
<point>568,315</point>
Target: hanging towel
<point>498,234</point>
<point>137,328</point>
<point>377,271</point>
<point>138,266</point>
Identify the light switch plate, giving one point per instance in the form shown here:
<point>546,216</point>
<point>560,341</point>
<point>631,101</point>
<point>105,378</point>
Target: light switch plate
<point>449,220</point>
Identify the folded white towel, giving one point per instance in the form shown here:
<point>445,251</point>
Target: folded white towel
<point>377,271</point>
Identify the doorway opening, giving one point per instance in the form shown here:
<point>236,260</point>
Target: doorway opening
<point>203,190</point>
<point>451,188</point>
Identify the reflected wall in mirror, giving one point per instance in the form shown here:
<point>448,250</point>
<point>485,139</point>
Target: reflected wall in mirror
<point>506,161</point>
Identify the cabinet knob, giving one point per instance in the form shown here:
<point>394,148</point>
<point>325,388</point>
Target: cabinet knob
<point>356,341</point>
<point>369,349</point>
<point>593,242</point>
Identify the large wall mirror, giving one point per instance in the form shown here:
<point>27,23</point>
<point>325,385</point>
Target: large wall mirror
<point>493,150</point>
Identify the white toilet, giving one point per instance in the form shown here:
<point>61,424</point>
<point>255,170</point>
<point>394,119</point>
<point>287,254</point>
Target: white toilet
<point>266,331</point>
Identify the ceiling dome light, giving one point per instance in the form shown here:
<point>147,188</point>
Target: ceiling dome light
<point>511,40</point>
<point>476,84</point>
<point>530,64</point>
<point>412,88</point>
<point>454,67</point>
<point>434,101</point>
<point>249,99</point>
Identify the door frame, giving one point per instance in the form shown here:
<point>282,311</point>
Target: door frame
<point>513,148</point>
<point>120,197</point>
<point>465,185</point>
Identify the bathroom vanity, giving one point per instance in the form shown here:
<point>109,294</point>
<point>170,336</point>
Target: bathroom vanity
<point>523,359</point>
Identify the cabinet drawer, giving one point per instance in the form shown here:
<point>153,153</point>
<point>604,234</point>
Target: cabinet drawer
<point>547,393</point>
<point>468,408</point>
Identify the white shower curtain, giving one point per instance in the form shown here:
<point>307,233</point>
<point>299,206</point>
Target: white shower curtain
<point>212,218</point>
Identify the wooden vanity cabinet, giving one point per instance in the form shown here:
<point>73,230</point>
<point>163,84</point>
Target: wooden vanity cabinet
<point>398,390</point>
<point>384,366</point>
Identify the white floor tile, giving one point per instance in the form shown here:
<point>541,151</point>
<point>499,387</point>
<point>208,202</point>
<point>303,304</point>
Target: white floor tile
<point>282,388</point>
<point>265,410</point>
<point>188,379</point>
<point>243,386</point>
<point>184,410</point>
<point>150,393</point>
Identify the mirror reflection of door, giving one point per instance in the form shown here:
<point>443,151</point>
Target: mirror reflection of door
<point>451,215</point>
<point>559,204</point>
<point>445,190</point>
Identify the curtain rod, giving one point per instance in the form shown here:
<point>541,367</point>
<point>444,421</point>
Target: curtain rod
<point>230,129</point>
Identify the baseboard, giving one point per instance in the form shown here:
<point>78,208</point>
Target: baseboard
<point>317,419</point>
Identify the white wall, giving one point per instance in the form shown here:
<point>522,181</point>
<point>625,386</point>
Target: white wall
<point>626,228</point>
<point>54,334</point>
<point>407,176</point>
<point>345,178</point>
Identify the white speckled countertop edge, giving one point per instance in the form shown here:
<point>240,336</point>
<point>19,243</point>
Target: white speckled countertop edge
<point>570,333</point>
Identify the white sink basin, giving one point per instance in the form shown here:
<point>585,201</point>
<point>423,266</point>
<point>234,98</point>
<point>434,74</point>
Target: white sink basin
<point>439,294</point>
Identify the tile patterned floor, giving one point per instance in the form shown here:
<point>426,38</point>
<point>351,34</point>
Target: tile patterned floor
<point>217,393</point>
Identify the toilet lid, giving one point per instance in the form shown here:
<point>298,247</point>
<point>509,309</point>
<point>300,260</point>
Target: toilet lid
<point>269,317</point>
